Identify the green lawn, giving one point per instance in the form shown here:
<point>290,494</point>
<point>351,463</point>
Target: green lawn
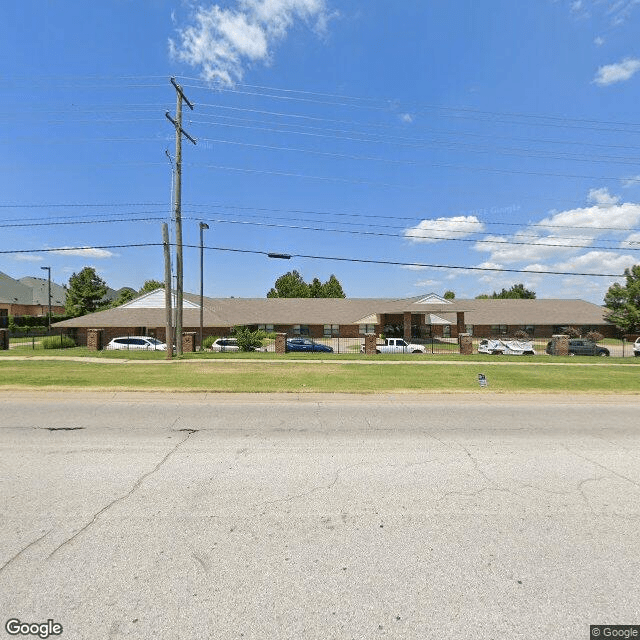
<point>251,375</point>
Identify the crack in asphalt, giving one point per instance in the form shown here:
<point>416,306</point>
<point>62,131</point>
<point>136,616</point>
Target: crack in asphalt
<point>135,486</point>
<point>602,466</point>
<point>17,555</point>
<point>313,489</point>
<point>584,495</point>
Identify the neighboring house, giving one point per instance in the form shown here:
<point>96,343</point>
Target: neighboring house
<point>417,317</point>
<point>29,297</point>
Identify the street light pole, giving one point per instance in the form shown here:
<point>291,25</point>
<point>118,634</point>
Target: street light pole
<point>48,269</point>
<point>203,226</point>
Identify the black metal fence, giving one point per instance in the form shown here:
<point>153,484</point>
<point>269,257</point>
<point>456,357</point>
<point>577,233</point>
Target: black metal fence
<point>68,339</point>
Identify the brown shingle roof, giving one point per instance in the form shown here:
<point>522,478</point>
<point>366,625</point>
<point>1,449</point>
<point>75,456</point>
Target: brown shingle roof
<point>228,312</point>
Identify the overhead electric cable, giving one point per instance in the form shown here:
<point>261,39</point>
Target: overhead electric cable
<point>319,257</point>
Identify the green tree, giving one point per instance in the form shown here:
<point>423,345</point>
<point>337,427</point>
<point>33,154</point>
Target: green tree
<point>332,288</point>
<point>290,285</point>
<point>623,302</point>
<point>316,289</point>
<point>126,295</point>
<point>517,291</point>
<point>449,295</point>
<point>151,285</point>
<point>85,293</point>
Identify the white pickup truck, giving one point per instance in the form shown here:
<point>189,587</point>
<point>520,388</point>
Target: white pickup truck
<point>397,345</point>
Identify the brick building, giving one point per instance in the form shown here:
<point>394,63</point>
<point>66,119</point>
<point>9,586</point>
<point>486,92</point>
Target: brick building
<point>29,297</point>
<point>411,318</point>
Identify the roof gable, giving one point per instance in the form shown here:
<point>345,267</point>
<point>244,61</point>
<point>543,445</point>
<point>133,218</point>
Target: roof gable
<point>155,300</point>
<point>432,298</point>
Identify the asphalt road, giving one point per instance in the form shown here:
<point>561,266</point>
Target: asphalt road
<point>176,517</point>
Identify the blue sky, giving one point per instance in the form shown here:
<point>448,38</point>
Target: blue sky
<point>495,135</point>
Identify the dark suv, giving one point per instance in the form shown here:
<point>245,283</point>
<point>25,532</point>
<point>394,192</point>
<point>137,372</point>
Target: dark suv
<point>583,347</point>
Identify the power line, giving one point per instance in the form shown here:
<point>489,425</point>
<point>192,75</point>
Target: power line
<point>455,112</point>
<point>194,207</point>
<point>320,257</point>
<point>407,235</point>
<point>389,126</point>
<point>388,101</point>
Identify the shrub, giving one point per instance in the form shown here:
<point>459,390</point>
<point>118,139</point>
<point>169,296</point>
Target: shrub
<point>572,332</point>
<point>207,342</point>
<point>57,342</point>
<point>521,335</point>
<point>248,340</point>
<point>594,336</point>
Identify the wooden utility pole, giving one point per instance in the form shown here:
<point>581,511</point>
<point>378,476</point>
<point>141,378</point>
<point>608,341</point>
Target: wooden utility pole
<point>167,290</point>
<point>177,123</point>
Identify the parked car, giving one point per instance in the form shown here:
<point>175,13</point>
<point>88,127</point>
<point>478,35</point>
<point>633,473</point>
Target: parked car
<point>305,344</point>
<point>506,347</point>
<point>137,342</point>
<point>397,345</point>
<point>229,344</point>
<point>583,347</point>
<point>636,347</point>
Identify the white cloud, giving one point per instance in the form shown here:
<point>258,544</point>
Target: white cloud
<point>223,41</point>
<point>414,267</point>
<point>602,197</point>
<point>426,283</point>
<point>439,229</point>
<point>608,213</point>
<point>87,252</point>
<point>25,257</point>
<point>617,72</point>
<point>632,181</point>
<point>406,117</point>
<point>632,241</point>
<point>564,233</point>
<point>598,41</point>
<point>597,262</point>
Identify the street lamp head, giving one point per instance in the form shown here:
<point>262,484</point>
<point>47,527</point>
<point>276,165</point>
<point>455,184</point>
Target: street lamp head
<point>204,225</point>
<point>279,256</point>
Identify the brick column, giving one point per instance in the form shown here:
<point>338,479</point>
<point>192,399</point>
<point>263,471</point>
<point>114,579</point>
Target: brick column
<point>560,345</point>
<point>189,342</point>
<point>4,339</point>
<point>407,326</point>
<point>370,341</point>
<point>281,343</point>
<point>460,322</point>
<point>94,339</point>
<point>466,344</point>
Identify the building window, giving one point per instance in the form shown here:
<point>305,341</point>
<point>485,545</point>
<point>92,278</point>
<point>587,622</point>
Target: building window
<point>266,327</point>
<point>331,330</point>
<point>300,329</point>
<point>468,328</point>
<point>367,328</point>
<point>446,330</point>
<point>499,329</point>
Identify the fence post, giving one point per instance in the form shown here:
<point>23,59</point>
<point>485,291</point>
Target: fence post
<point>4,340</point>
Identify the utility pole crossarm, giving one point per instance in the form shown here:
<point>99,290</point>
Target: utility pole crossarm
<point>180,129</point>
<point>181,92</point>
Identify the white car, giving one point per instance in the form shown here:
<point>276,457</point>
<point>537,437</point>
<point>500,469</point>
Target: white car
<point>129,343</point>
<point>225,344</point>
<point>506,347</point>
<point>636,347</point>
<point>230,344</point>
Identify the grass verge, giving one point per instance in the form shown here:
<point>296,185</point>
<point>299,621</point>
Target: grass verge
<point>338,377</point>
